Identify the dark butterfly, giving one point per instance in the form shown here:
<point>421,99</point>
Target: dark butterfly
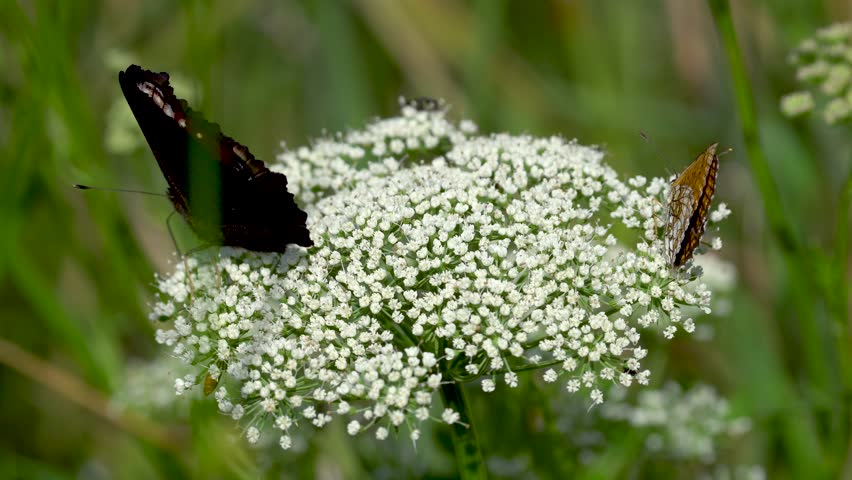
<point>250,207</point>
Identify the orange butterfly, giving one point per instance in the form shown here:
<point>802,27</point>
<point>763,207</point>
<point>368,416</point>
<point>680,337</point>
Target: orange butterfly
<point>688,206</point>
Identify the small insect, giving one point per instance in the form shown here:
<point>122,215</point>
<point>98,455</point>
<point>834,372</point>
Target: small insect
<point>251,207</point>
<point>688,206</point>
<point>422,104</point>
<point>210,384</point>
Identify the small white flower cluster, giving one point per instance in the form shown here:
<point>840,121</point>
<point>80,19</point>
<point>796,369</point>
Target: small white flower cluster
<point>687,425</point>
<point>439,256</point>
<point>149,387</point>
<point>383,147</point>
<point>824,61</point>
<point>734,472</point>
<point>720,276</point>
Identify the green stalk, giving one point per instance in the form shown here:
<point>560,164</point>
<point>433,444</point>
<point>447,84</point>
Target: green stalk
<point>841,304</point>
<point>465,443</point>
<point>841,282</point>
<point>805,446</point>
<point>748,118</point>
<point>794,255</point>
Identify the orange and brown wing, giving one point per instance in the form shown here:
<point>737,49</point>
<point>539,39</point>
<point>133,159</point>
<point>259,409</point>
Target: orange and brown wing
<point>689,204</point>
<point>698,221</point>
<point>681,204</point>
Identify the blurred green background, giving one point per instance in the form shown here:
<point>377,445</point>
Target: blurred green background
<point>77,268</point>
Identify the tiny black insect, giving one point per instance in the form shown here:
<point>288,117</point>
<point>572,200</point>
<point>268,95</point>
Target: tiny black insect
<point>422,104</point>
<point>251,209</point>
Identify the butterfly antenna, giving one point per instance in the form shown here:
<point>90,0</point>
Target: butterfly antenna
<point>119,190</point>
<point>657,151</point>
<point>168,224</point>
<point>172,233</point>
<point>141,192</point>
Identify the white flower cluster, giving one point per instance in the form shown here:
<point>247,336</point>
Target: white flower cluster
<point>439,256</point>
<point>720,276</point>
<point>149,387</point>
<point>824,61</point>
<point>687,425</point>
<point>734,472</point>
<point>383,147</point>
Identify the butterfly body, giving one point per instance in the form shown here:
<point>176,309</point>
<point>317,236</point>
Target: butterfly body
<point>246,205</point>
<point>688,206</point>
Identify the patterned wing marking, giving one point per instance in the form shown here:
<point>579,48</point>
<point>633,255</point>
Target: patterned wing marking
<point>680,207</point>
<point>698,219</point>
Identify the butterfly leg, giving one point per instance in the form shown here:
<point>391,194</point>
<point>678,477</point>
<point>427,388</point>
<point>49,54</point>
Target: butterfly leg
<point>189,280</point>
<point>182,256</point>
<point>199,248</point>
<point>656,218</point>
<point>219,270</point>
<point>659,223</point>
<point>171,232</point>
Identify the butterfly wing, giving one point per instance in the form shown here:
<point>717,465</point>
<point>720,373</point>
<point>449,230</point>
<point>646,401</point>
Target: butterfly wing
<point>698,219</point>
<point>688,206</point>
<point>680,206</point>
<point>265,216</point>
<point>252,207</point>
<point>162,120</point>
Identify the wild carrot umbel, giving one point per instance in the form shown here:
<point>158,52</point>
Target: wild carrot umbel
<point>441,257</point>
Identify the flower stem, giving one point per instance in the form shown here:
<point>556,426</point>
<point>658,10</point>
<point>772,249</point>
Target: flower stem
<point>806,443</point>
<point>841,282</point>
<point>465,443</point>
<point>773,206</point>
<point>843,329</point>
